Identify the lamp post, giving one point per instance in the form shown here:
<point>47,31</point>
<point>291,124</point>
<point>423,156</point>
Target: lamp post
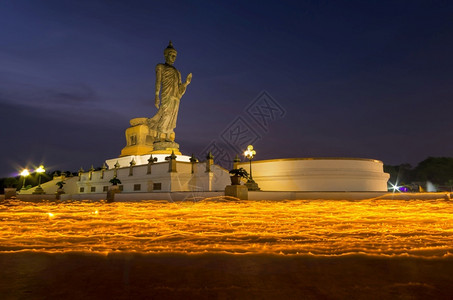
<point>24,174</point>
<point>39,189</point>
<point>251,184</point>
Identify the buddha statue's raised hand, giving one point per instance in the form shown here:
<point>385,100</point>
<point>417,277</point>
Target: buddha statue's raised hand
<point>188,79</point>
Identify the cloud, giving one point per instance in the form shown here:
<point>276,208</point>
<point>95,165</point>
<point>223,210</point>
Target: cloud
<point>37,93</point>
<point>73,94</point>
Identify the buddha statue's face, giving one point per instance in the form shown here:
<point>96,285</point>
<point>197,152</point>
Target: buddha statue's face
<point>170,57</point>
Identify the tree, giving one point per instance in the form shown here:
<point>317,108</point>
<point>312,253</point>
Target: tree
<point>8,182</point>
<point>438,170</point>
<point>399,174</point>
<point>115,181</point>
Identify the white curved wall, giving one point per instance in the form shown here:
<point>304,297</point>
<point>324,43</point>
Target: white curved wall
<point>319,174</point>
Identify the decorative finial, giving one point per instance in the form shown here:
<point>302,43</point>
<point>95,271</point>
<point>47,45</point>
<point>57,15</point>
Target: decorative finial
<point>210,156</point>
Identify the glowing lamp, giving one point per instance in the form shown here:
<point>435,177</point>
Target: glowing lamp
<point>249,153</point>
<point>24,174</point>
<point>251,184</point>
<point>40,169</point>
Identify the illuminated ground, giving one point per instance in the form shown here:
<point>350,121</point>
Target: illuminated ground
<point>316,249</point>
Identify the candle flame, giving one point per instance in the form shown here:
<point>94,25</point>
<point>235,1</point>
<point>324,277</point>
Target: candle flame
<point>299,227</point>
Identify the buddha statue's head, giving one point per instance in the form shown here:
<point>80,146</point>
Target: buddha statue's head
<point>170,54</point>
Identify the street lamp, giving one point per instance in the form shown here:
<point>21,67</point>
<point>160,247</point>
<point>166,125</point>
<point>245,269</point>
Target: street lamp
<point>251,184</point>
<point>39,189</point>
<point>250,153</point>
<point>24,174</point>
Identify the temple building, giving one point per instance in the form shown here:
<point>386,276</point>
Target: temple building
<point>151,165</point>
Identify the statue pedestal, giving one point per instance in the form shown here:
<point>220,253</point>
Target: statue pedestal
<point>166,148</point>
<point>238,191</point>
<point>252,185</point>
<point>38,191</point>
<point>58,194</point>
<point>10,193</point>
<point>139,138</point>
<point>112,190</point>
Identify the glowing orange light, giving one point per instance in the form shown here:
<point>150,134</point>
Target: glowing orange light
<point>422,228</point>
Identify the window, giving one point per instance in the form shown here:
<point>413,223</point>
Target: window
<point>93,189</point>
<point>105,188</point>
<point>82,189</point>
<point>133,140</point>
<point>121,187</point>
<point>157,186</point>
<point>137,187</point>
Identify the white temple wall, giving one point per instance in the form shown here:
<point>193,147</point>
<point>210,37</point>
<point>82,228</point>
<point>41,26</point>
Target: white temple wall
<point>301,175</point>
<point>159,180</point>
<point>221,178</point>
<point>319,174</point>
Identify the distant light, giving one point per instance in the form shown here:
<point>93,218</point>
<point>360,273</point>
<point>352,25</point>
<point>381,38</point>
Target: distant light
<point>51,215</point>
<point>40,169</point>
<point>24,172</point>
<point>395,187</point>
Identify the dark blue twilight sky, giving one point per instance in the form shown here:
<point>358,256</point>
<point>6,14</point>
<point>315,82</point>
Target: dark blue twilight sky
<point>368,79</point>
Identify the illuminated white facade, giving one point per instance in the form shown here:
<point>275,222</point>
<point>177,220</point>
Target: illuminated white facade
<point>166,178</point>
<point>161,176</point>
<point>319,174</point>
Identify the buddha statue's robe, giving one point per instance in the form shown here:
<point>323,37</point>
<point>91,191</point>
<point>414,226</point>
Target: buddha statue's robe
<point>168,82</point>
